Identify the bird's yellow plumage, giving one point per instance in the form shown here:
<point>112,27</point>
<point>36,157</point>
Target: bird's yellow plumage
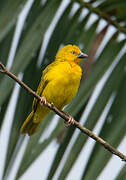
<point>59,84</point>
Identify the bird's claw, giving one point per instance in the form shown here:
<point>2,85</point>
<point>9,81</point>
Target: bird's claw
<point>43,101</point>
<point>70,121</point>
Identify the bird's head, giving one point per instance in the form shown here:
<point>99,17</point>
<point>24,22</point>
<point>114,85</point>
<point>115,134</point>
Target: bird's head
<point>70,53</point>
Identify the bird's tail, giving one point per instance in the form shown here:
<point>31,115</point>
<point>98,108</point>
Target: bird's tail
<point>29,126</point>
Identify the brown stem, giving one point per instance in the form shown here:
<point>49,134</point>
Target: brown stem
<point>64,115</point>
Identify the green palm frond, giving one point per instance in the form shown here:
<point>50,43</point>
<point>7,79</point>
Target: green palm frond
<point>107,59</point>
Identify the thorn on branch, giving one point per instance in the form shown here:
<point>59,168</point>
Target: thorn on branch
<point>3,70</point>
<point>52,105</point>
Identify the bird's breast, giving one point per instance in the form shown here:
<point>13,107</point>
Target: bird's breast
<point>64,86</point>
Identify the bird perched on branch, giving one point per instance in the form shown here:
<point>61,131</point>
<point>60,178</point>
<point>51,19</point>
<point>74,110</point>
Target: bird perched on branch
<point>59,84</point>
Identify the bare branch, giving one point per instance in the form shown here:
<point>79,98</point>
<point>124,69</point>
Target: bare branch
<point>65,116</point>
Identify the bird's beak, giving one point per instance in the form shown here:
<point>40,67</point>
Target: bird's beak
<point>82,55</point>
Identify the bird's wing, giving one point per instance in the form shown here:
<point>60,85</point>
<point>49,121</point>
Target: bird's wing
<point>39,91</point>
<point>45,79</point>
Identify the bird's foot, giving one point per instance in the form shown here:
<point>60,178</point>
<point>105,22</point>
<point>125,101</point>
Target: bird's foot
<point>43,101</point>
<point>70,122</point>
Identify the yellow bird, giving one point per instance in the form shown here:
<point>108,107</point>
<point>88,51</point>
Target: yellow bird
<point>59,84</point>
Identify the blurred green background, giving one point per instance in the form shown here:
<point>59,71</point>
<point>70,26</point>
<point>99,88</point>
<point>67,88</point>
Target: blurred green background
<point>31,32</point>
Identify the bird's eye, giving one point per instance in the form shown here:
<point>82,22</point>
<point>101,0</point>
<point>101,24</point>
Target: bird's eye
<point>73,52</point>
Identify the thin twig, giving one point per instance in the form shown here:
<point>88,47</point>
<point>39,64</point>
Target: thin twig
<point>64,115</point>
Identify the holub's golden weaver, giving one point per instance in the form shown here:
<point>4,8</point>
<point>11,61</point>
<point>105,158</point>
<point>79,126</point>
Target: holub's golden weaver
<point>59,84</point>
